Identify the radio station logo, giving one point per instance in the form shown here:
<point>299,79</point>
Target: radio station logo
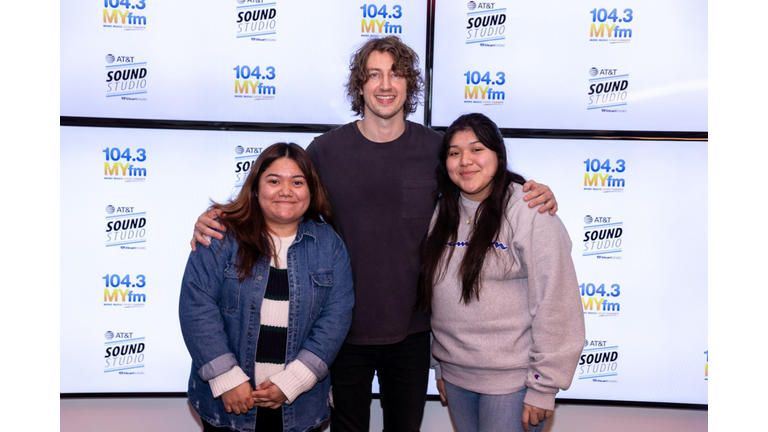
<point>125,164</point>
<point>599,362</point>
<point>484,87</point>
<point>244,159</point>
<point>602,239</point>
<point>255,82</point>
<point>381,20</point>
<point>124,353</point>
<point>124,290</point>
<point>485,25</point>
<point>605,175</point>
<point>611,26</point>
<point>256,20</point>
<point>607,90</point>
<point>126,77</point>
<point>706,366</point>
<point>126,228</point>
<point>125,15</point>
<point>600,300</point>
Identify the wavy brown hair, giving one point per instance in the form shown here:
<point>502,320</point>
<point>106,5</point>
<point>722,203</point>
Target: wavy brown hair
<point>243,216</point>
<point>486,225</point>
<point>406,65</point>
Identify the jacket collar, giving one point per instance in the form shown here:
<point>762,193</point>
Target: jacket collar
<point>307,227</point>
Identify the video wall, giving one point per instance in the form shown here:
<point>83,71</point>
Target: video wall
<point>639,247</point>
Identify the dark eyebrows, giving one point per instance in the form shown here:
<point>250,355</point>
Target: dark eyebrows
<point>279,176</point>
<point>471,143</point>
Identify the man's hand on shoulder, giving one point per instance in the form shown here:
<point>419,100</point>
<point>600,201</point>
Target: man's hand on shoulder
<point>206,226</point>
<point>540,195</point>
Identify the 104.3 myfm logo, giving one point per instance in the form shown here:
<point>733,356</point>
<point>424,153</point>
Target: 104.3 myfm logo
<point>125,15</point>
<point>600,300</point>
<point>609,26</point>
<point>122,290</point>
<point>377,20</point>
<point>484,87</point>
<point>124,164</point>
<point>251,83</point>
<point>604,175</point>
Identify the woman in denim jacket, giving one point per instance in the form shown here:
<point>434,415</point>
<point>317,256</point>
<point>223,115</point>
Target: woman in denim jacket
<point>265,310</point>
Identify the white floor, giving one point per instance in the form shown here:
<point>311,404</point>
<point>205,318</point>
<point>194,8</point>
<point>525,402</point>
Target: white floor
<point>175,415</point>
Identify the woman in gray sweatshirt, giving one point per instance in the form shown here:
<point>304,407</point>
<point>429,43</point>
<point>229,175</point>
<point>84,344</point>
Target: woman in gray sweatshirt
<point>500,283</point>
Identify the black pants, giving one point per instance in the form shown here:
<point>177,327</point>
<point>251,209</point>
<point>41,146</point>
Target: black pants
<point>403,371</point>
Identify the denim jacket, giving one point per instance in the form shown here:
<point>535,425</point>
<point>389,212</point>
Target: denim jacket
<point>220,318</point>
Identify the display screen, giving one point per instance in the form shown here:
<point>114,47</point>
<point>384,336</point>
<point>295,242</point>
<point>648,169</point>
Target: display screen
<point>638,66</point>
<point>239,60</point>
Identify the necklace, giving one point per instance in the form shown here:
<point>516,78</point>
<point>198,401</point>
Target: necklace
<point>469,214</point>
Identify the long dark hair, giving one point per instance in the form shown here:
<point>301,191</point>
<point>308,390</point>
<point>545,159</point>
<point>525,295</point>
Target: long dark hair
<point>486,225</point>
<point>243,216</point>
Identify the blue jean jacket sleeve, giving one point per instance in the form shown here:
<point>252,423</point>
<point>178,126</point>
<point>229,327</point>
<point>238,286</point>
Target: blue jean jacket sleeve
<point>332,325</point>
<point>199,315</point>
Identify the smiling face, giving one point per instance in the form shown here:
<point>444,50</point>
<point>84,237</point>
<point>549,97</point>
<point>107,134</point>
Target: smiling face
<point>471,165</point>
<point>384,93</point>
<point>283,196</point>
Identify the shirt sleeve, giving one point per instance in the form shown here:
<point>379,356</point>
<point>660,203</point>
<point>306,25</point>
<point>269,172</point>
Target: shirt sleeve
<point>227,381</point>
<point>329,330</point>
<point>294,380</point>
<point>557,324</point>
<point>202,325</point>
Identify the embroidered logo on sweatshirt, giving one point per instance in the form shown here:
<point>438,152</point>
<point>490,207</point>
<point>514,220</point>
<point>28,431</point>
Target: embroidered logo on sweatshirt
<point>497,245</point>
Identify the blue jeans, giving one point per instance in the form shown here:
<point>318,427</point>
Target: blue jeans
<point>477,412</point>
